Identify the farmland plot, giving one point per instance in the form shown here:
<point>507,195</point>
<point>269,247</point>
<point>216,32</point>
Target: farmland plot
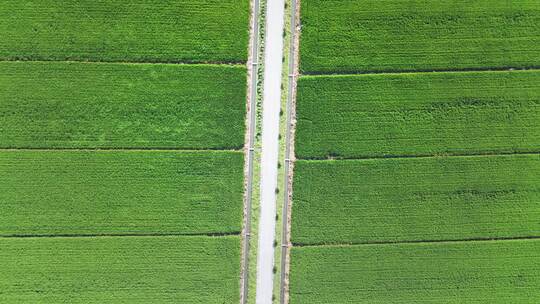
<point>83,105</point>
<point>498,272</point>
<point>134,270</point>
<point>120,192</point>
<point>184,31</point>
<point>352,36</point>
<point>104,108</point>
<point>416,199</point>
<point>417,174</point>
<point>361,116</point>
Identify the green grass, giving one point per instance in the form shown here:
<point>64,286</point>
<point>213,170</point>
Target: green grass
<point>352,36</point>
<point>86,105</point>
<point>463,113</point>
<point>120,192</point>
<point>111,30</point>
<point>496,272</point>
<point>120,270</point>
<point>414,199</point>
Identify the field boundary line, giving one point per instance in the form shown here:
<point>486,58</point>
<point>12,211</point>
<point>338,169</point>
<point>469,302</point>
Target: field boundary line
<point>420,71</point>
<point>173,63</point>
<point>289,158</point>
<point>418,156</point>
<point>180,150</point>
<point>375,243</point>
<point>249,146</point>
<point>123,235</point>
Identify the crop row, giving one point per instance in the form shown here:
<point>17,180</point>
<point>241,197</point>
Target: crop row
<point>120,192</point>
<point>498,272</point>
<point>185,31</point>
<point>143,270</point>
<point>416,199</point>
<point>82,105</point>
<point>359,116</point>
<point>352,36</point>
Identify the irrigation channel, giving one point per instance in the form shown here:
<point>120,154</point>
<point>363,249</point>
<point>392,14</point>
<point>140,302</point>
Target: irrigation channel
<point>270,147</point>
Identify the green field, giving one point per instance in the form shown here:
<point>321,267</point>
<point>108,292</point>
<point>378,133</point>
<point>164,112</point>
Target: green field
<point>361,116</point>
<point>356,36</point>
<point>120,270</point>
<point>184,31</point>
<point>83,105</point>
<point>120,192</point>
<point>444,198</point>
<point>417,173</point>
<point>495,272</point>
<point>122,128</point>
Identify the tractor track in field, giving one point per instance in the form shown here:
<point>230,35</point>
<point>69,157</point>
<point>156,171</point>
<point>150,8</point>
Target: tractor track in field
<point>125,235</point>
<point>430,241</point>
<point>138,149</point>
<point>417,156</point>
<point>423,71</point>
<point>105,62</point>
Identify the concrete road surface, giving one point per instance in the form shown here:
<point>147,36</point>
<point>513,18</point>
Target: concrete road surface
<point>270,147</point>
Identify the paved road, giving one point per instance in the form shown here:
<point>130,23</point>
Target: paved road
<point>270,147</point>
<point>288,156</point>
<point>251,143</point>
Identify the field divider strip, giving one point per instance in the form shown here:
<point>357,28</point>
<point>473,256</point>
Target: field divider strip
<point>293,75</point>
<point>118,149</point>
<point>427,71</point>
<point>123,235</point>
<point>418,156</point>
<point>249,147</point>
<point>518,238</point>
<point>208,63</point>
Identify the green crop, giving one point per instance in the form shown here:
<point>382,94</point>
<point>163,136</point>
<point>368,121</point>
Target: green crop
<point>361,116</point>
<point>495,272</point>
<point>120,192</point>
<point>355,36</point>
<point>138,31</point>
<point>416,199</point>
<point>106,194</point>
<point>85,105</point>
<point>417,174</point>
<point>135,270</point>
